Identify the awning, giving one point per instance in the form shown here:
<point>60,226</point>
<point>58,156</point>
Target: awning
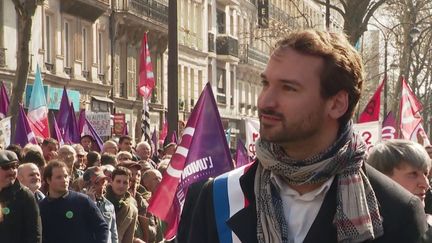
<point>103,99</point>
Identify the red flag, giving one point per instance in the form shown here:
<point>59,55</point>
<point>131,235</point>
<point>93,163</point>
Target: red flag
<point>372,110</point>
<point>202,153</point>
<point>147,81</point>
<point>164,133</point>
<point>410,108</point>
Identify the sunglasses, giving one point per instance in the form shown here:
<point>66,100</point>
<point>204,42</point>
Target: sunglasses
<point>9,166</point>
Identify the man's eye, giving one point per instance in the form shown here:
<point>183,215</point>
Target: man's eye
<point>264,83</point>
<point>289,88</point>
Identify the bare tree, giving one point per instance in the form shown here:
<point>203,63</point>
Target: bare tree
<point>356,15</point>
<point>25,10</point>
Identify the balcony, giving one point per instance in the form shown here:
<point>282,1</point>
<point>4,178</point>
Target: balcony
<point>226,45</point>
<point>2,57</point>
<point>152,9</point>
<point>250,55</point>
<point>86,9</point>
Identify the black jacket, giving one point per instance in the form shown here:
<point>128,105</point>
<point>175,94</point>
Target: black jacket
<point>403,215</point>
<point>21,220</point>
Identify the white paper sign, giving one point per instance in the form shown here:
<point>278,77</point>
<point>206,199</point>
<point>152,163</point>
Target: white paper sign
<point>370,132</point>
<point>252,135</point>
<point>100,122</point>
<point>5,132</point>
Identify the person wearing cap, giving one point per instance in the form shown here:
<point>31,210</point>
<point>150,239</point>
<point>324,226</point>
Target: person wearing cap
<point>68,216</point>
<point>81,157</point>
<point>95,182</point>
<point>19,211</point>
<point>124,204</point>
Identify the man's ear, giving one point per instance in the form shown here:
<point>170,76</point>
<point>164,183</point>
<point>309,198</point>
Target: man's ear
<point>338,105</point>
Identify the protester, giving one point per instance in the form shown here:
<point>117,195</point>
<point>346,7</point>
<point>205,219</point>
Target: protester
<point>310,182</point>
<point>169,150</point>
<point>35,158</point>
<point>109,147</point>
<point>29,176</point>
<point>87,142</point>
<point>125,144</point>
<point>151,179</point>
<point>124,204</point>
<point>108,159</point>
<point>123,156</point>
<point>20,220</point>
<point>95,182</point>
<point>81,162</point>
<point>49,148</point>
<point>404,161</point>
<point>93,159</point>
<point>68,216</point>
<point>16,148</point>
<point>144,151</point>
<point>31,147</point>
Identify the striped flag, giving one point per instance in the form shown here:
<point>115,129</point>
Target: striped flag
<point>410,108</point>
<point>38,109</point>
<point>4,101</point>
<point>145,122</point>
<point>202,153</point>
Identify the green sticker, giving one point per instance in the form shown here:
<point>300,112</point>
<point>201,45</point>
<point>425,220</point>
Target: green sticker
<point>5,211</point>
<point>69,214</point>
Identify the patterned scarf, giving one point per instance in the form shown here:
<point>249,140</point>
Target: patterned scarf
<point>357,217</point>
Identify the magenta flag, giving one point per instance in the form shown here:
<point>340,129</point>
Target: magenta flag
<point>23,132</point>
<point>81,122</point>
<point>63,113</point>
<point>389,126</point>
<point>147,81</point>
<point>4,101</point>
<point>55,131</point>
<point>202,153</point>
<point>242,157</point>
<point>164,132</point>
<point>71,134</point>
<point>372,110</point>
<point>94,135</point>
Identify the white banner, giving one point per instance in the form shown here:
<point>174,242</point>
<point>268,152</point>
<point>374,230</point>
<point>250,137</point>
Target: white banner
<point>370,132</point>
<point>5,132</point>
<point>100,122</point>
<point>252,135</point>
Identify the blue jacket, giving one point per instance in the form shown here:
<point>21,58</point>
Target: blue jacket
<point>72,218</point>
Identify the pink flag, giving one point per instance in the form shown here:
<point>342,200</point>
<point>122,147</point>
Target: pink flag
<point>389,126</point>
<point>410,108</point>
<point>147,81</point>
<point>202,153</point>
<point>372,110</point>
<point>164,133</point>
<point>38,110</point>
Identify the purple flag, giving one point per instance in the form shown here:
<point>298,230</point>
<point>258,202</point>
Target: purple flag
<point>63,113</point>
<point>95,136</point>
<point>71,134</point>
<point>23,132</point>
<point>174,137</point>
<point>202,153</point>
<point>242,157</point>
<point>81,122</point>
<point>154,142</point>
<point>55,131</point>
<point>4,101</point>
<point>389,126</point>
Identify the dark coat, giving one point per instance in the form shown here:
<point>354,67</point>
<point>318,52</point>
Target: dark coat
<point>21,220</point>
<point>72,218</point>
<point>403,215</point>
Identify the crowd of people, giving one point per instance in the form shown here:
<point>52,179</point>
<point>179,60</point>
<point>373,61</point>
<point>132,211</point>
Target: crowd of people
<point>313,179</point>
<point>69,193</point>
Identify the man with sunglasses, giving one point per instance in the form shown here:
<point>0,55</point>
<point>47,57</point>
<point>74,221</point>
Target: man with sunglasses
<point>19,214</point>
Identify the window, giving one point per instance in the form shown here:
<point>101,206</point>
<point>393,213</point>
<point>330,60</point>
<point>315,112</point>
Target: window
<point>100,54</point>
<point>200,81</point>
<point>48,40</point>
<point>220,21</point>
<point>84,36</point>
<point>221,80</point>
<point>232,81</point>
<point>67,51</point>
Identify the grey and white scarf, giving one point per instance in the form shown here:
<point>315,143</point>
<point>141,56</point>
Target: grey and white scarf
<point>357,217</point>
